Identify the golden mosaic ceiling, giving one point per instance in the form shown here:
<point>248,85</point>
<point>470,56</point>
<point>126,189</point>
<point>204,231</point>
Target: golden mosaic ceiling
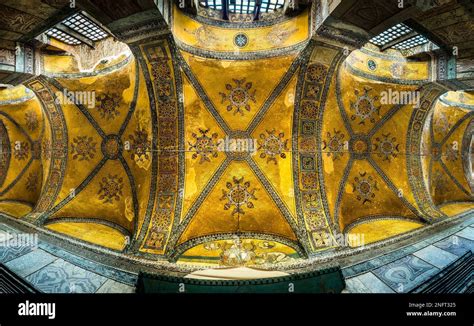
<point>198,151</point>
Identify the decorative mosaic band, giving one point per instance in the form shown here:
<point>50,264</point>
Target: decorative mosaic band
<point>416,125</point>
<point>253,55</point>
<point>466,151</point>
<point>56,151</point>
<point>179,250</point>
<point>314,80</point>
<point>163,79</point>
<point>5,155</point>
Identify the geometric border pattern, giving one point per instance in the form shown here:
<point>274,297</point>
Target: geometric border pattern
<point>465,150</point>
<point>6,153</point>
<point>311,203</point>
<point>59,148</point>
<point>429,96</point>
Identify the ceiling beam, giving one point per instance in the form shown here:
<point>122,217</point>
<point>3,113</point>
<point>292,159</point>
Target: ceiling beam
<point>342,8</point>
<point>97,22</point>
<point>413,24</point>
<point>48,23</point>
<point>399,17</point>
<point>76,35</point>
<point>398,40</point>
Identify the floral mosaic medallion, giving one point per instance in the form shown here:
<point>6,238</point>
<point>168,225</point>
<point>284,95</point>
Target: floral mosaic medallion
<point>83,148</point>
<point>31,119</point>
<point>311,201</point>
<point>109,105</point>
<point>204,146</point>
<point>334,144</point>
<point>238,96</point>
<point>241,40</point>
<point>32,182</point>
<point>112,147</point>
<point>359,148</point>
<point>21,150</point>
<point>364,108</point>
<point>238,195</point>
<point>386,147</point>
<point>110,188</point>
<point>160,68</point>
<point>272,146</point>
<point>372,65</point>
<point>364,187</point>
<point>316,73</point>
<point>161,220</point>
<point>140,148</point>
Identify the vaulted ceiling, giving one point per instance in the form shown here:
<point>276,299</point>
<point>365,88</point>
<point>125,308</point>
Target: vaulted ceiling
<point>139,154</point>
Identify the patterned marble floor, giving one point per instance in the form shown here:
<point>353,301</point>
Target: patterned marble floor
<point>403,269</point>
<point>53,270</point>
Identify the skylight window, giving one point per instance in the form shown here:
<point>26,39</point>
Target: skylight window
<point>63,37</point>
<point>77,29</point>
<point>399,37</point>
<point>213,4</point>
<point>86,27</point>
<point>391,34</point>
<point>412,42</point>
<point>271,5</point>
<point>243,6</point>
